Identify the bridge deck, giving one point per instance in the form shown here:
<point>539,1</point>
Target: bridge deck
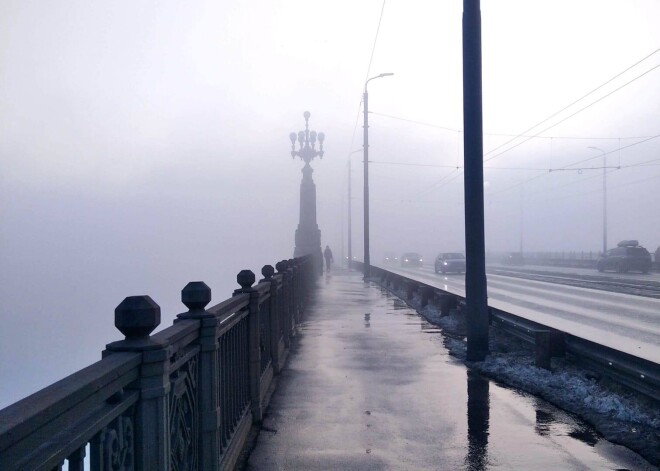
<point>369,385</point>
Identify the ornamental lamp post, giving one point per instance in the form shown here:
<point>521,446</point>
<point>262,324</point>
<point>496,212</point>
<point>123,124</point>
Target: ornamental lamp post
<point>308,234</point>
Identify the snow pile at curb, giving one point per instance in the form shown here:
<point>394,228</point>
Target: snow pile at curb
<point>622,416</point>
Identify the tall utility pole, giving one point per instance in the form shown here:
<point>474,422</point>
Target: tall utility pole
<point>365,100</point>
<point>604,195</point>
<point>350,227</point>
<point>475,277</point>
<point>350,212</point>
<point>522,216</point>
<point>367,260</point>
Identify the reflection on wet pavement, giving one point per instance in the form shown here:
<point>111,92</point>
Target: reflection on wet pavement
<point>370,386</point>
<point>478,402</point>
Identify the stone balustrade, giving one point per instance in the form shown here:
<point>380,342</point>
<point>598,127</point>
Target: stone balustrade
<point>184,398</point>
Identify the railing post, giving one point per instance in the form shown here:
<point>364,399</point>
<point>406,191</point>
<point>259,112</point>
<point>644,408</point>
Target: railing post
<point>302,283</point>
<point>195,296</point>
<point>410,290</point>
<point>275,315</point>
<point>291,268</point>
<point>295,272</point>
<point>136,317</point>
<point>427,292</point>
<point>542,349</point>
<point>285,304</point>
<point>246,279</point>
<point>447,303</point>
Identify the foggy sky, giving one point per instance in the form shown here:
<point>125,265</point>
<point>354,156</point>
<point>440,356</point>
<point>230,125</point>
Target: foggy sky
<point>145,144</point>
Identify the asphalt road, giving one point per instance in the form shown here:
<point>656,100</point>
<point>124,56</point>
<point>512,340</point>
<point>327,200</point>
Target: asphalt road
<point>653,276</point>
<point>627,283</point>
<point>625,322</point>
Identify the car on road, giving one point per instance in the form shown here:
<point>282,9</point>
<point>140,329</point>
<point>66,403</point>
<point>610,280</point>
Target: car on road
<point>411,259</point>
<point>627,256</point>
<point>390,258</point>
<point>450,262</point>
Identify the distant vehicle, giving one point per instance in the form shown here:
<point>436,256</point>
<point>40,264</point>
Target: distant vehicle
<point>390,258</point>
<point>411,259</point>
<point>628,255</point>
<point>514,258</point>
<point>450,262</point>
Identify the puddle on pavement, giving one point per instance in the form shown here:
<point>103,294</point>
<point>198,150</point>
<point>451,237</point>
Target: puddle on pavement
<point>488,428</point>
<point>506,425</point>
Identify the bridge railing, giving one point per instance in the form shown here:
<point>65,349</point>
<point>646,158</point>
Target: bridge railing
<point>183,398</point>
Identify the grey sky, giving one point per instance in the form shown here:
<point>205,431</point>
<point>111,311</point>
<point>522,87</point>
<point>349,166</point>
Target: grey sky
<point>145,144</point>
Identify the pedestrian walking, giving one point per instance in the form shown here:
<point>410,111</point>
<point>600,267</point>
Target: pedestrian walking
<point>327,253</point>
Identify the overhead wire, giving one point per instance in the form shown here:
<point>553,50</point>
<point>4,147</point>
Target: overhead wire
<point>577,195</point>
<point>617,150</point>
<point>576,101</point>
<point>457,169</point>
<point>572,114</point>
<point>570,165</point>
<point>446,128</point>
<point>407,164</point>
<point>371,58</point>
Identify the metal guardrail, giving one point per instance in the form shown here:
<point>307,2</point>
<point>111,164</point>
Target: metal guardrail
<point>183,398</point>
<point>564,259</point>
<point>636,373</point>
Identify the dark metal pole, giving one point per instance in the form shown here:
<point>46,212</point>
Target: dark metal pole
<point>604,202</point>
<point>350,233</point>
<point>522,216</point>
<point>475,277</point>
<point>367,262</point>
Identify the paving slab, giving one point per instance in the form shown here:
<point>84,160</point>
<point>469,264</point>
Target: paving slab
<point>370,386</point>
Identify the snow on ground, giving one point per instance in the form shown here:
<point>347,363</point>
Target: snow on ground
<point>620,415</point>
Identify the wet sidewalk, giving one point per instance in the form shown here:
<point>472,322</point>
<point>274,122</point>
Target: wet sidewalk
<point>370,386</point>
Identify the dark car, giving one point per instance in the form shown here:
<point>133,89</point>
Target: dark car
<point>450,262</point>
<point>411,259</point>
<point>628,255</point>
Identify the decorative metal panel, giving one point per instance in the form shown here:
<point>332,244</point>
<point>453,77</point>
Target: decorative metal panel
<point>184,415</point>
<point>113,449</point>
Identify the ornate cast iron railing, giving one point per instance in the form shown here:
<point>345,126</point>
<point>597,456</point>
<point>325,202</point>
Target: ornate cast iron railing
<point>181,399</point>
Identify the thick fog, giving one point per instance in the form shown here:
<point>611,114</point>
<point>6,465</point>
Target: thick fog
<point>145,144</point>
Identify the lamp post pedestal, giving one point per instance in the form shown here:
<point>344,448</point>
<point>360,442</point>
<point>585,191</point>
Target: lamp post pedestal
<point>308,234</point>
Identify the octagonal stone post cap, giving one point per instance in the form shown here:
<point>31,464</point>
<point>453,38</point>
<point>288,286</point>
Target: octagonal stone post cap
<point>268,271</point>
<point>137,316</point>
<point>196,295</point>
<point>280,266</point>
<point>245,278</point>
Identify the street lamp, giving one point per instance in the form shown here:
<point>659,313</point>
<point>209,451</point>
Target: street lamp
<point>308,235</point>
<point>604,196</point>
<point>367,264</point>
<point>350,217</point>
